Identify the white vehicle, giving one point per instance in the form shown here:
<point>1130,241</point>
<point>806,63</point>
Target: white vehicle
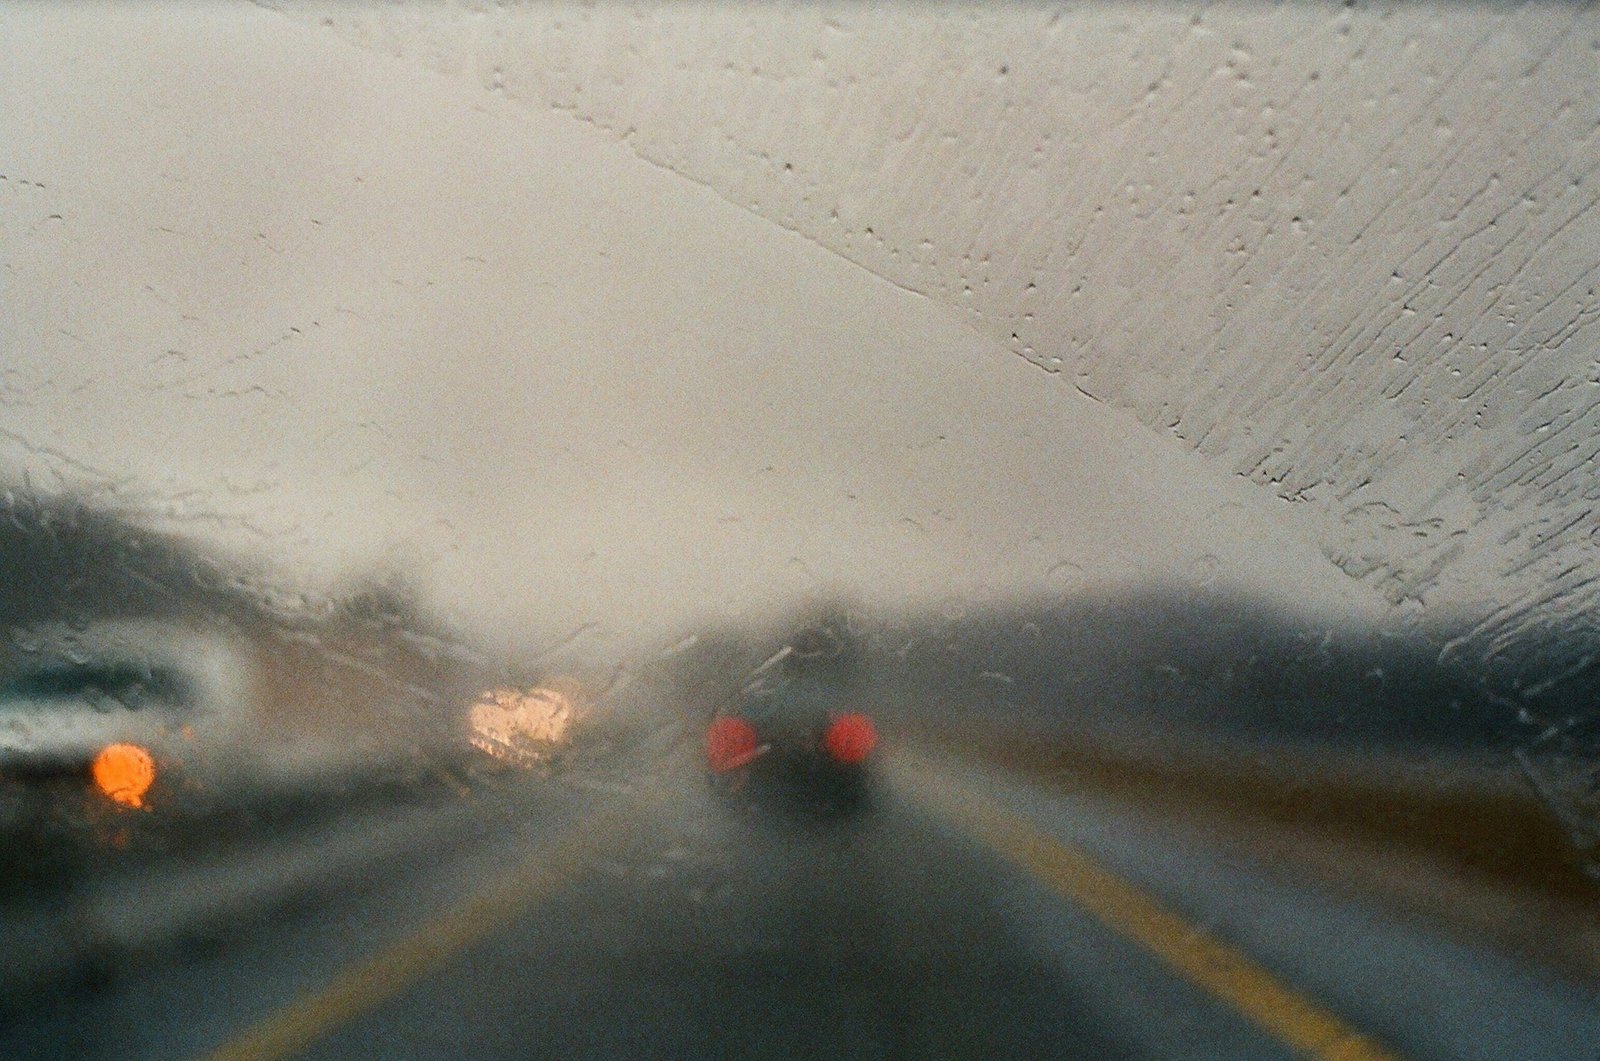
<point>159,691</point>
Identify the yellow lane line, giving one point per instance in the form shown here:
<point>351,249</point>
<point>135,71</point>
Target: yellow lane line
<point>1225,973</point>
<point>366,984</point>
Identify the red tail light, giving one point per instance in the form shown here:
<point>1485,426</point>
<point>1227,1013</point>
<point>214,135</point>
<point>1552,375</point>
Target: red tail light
<point>730,743</point>
<point>850,739</point>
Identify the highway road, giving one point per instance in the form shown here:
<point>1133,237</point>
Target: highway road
<point>961,913</point>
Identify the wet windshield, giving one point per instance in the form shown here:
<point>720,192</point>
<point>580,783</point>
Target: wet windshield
<point>799,530</point>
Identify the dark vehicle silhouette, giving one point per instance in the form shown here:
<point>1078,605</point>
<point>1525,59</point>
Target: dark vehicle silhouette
<point>795,731</point>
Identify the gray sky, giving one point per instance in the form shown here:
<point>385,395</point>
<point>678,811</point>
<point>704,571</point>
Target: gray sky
<point>380,314</point>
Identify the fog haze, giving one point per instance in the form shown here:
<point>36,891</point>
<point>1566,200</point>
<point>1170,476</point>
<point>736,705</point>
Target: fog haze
<point>370,315</point>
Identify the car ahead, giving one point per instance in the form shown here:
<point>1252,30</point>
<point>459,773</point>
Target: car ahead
<point>794,732</point>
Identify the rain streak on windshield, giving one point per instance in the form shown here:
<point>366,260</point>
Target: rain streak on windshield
<point>799,530</point>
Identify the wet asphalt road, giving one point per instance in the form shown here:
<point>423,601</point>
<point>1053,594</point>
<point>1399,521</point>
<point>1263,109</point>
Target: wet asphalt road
<point>685,927</point>
<point>766,932</point>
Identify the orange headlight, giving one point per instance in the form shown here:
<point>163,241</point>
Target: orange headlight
<point>123,773</point>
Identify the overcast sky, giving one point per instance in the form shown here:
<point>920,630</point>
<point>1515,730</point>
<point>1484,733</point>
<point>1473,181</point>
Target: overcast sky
<point>385,316</point>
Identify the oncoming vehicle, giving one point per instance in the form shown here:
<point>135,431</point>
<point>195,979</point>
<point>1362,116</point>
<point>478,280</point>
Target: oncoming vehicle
<point>121,709</point>
<point>794,729</point>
